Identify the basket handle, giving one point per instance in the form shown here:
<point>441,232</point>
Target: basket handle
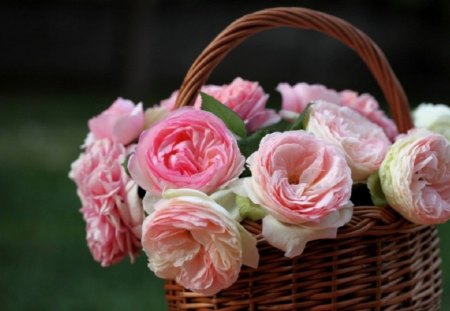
<point>302,18</point>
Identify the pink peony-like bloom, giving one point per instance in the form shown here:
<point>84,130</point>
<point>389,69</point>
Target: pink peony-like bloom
<point>364,143</point>
<point>296,98</point>
<point>434,117</point>
<point>189,149</point>
<point>367,106</point>
<point>110,203</point>
<point>122,122</point>
<point>298,178</point>
<point>246,98</point>
<point>190,238</point>
<point>304,184</point>
<point>415,177</point>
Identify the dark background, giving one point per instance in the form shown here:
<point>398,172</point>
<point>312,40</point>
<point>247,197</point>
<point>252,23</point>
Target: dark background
<point>62,62</point>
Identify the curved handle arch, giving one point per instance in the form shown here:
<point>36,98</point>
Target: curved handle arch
<point>302,18</point>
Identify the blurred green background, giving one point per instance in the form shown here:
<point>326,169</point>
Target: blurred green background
<point>64,61</point>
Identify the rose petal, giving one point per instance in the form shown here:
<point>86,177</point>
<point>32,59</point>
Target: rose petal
<point>292,239</point>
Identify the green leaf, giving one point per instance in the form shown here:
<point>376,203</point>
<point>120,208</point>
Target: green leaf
<point>281,126</point>
<point>228,116</point>
<point>302,120</point>
<point>250,144</point>
<point>376,192</point>
<point>249,210</point>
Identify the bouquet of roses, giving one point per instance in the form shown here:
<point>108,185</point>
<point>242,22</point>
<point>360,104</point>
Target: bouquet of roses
<point>178,183</point>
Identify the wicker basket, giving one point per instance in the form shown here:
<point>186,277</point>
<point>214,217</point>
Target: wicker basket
<point>379,260</point>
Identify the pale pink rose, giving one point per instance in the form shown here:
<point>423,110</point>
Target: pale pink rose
<point>415,177</point>
<point>364,143</point>
<point>367,106</point>
<point>192,239</point>
<point>110,203</point>
<point>246,98</point>
<point>298,178</point>
<point>122,122</point>
<point>304,184</point>
<point>295,98</point>
<point>189,149</point>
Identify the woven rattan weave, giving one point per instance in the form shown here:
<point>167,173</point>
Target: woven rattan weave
<point>379,260</point>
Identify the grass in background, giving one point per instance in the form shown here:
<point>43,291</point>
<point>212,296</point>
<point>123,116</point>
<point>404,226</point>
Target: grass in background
<point>44,261</point>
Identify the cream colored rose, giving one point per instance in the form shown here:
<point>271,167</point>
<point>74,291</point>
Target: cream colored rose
<point>427,113</point>
<point>441,126</point>
<point>435,117</point>
<point>415,177</point>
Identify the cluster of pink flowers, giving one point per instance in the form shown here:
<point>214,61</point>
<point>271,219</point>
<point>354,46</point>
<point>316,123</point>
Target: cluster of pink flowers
<point>246,98</point>
<point>109,197</point>
<point>295,98</point>
<point>196,185</point>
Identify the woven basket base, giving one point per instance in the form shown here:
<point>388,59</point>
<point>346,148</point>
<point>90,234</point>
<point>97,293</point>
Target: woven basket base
<point>375,271</point>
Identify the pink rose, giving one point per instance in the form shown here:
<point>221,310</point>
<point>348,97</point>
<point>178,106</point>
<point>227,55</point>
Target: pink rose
<point>122,122</point>
<point>296,98</point>
<point>110,203</point>
<point>364,143</point>
<point>189,149</point>
<point>298,178</point>
<point>248,100</point>
<point>415,177</point>
<point>190,238</point>
<point>304,184</point>
<point>244,97</point>
<point>367,106</point>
